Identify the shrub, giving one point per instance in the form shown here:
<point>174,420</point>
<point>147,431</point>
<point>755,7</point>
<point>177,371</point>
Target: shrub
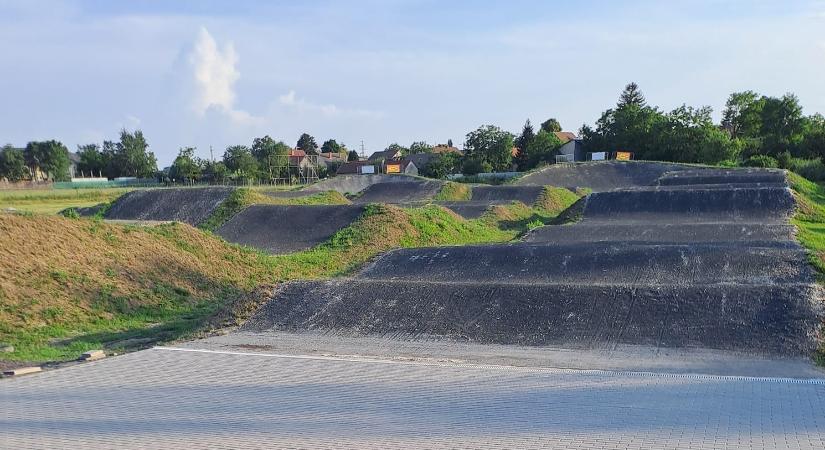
<point>761,161</point>
<point>812,169</point>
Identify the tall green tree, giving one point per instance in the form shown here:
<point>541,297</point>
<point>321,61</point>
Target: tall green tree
<point>307,144</point>
<point>271,156</point>
<point>239,161</point>
<point>551,125</point>
<point>187,166</point>
<point>632,95</point>
<point>331,146</point>
<point>420,147</point>
<point>741,114</point>
<point>13,164</point>
<point>50,158</point>
<point>813,146</point>
<point>133,158</point>
<point>352,155</point>
<point>92,161</point>
<point>688,134</point>
<point>783,125</point>
<point>442,165</point>
<point>627,127</point>
<point>522,143</point>
<point>542,148</point>
<point>491,145</point>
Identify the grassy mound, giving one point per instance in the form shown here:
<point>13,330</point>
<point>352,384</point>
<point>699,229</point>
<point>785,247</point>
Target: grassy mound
<point>554,200</point>
<point>454,192</point>
<point>49,201</point>
<point>69,285</point>
<point>810,224</point>
<point>243,197</point>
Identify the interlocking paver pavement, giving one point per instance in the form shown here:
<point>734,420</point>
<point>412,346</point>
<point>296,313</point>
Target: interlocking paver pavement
<point>191,399</point>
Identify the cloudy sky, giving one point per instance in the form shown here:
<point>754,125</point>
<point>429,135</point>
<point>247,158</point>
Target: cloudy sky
<point>201,73</point>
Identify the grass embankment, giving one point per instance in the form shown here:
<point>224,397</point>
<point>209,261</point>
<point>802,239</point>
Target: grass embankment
<point>243,197</point>
<point>519,217</point>
<point>51,201</point>
<point>70,285</point>
<point>454,192</point>
<point>810,223</point>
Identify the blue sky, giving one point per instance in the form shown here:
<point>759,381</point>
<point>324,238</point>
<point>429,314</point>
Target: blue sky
<point>201,73</point>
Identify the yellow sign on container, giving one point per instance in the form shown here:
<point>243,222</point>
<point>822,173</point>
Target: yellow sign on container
<point>393,168</point>
<point>623,156</point>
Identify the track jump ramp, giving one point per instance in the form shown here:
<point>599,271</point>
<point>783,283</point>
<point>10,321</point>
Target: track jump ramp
<point>353,184</point>
<point>601,176</point>
<point>189,205</point>
<point>723,176</point>
<point>284,229</point>
<point>707,266</point>
<point>762,319</point>
<point>759,234</point>
<point>400,192</point>
<point>698,204</point>
<point>595,263</point>
<point>483,197</point>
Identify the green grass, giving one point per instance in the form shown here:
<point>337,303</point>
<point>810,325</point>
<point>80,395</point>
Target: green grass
<point>810,223</point>
<point>454,192</point>
<point>51,201</point>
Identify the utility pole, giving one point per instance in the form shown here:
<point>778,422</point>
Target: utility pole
<point>363,156</point>
<point>211,155</point>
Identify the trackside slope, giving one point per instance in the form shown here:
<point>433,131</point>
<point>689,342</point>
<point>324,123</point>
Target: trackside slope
<point>600,176</point>
<point>283,229</point>
<point>188,205</point>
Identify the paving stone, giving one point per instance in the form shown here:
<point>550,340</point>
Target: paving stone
<point>193,399</point>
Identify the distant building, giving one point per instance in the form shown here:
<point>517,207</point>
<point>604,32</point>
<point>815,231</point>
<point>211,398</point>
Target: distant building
<point>565,136</point>
<point>356,168</point>
<point>384,155</point>
<point>571,151</point>
<point>401,166</point>
<point>421,160</point>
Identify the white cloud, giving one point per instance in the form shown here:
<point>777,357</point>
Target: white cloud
<point>291,99</point>
<point>215,76</point>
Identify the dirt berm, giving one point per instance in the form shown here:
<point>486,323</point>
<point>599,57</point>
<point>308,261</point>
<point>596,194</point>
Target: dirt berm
<point>353,184</point>
<point>189,205</point>
<point>283,229</point>
<point>600,176</point>
<point>760,234</point>
<point>697,204</point>
<point>762,319</point>
<point>400,192</point>
<point>723,176</point>
<point>595,263</point>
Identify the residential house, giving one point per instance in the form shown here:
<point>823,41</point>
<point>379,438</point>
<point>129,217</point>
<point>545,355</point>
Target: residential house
<point>384,155</point>
<point>421,160</point>
<point>356,168</point>
<point>401,166</point>
<point>572,150</point>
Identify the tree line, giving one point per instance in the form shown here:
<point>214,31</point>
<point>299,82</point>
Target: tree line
<point>755,130</point>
